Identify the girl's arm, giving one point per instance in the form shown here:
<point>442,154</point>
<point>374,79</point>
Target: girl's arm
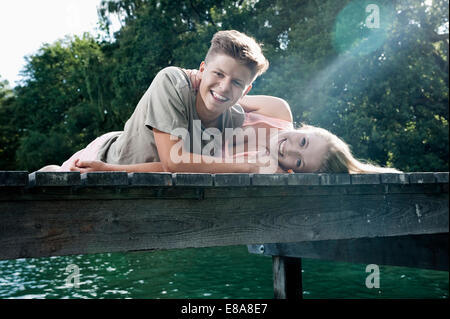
<point>267,105</point>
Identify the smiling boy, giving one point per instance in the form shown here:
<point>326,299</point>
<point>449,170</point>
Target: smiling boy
<point>172,101</point>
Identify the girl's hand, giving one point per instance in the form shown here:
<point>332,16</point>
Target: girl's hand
<point>88,166</point>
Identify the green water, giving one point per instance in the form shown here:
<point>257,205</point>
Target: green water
<point>219,272</point>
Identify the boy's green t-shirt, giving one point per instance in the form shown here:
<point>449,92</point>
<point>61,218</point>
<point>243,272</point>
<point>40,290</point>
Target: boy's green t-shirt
<point>167,105</point>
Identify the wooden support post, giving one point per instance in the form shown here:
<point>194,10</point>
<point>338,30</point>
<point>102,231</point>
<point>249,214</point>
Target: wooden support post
<point>287,277</point>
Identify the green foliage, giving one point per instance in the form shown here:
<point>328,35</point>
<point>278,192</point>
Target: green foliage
<point>64,94</point>
<point>384,91</point>
<point>31,146</point>
<point>390,104</point>
<point>9,139</point>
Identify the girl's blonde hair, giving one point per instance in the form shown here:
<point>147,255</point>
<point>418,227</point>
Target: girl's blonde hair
<point>339,158</point>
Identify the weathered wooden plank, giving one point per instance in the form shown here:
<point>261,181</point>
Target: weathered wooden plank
<point>122,190</point>
<point>394,178</point>
<point>104,179</point>
<point>422,178</point>
<point>150,179</point>
<point>192,179</point>
<point>358,179</point>
<point>54,179</point>
<point>13,178</point>
<point>198,214</point>
<point>414,188</point>
<point>228,180</point>
<point>117,192</point>
<point>303,179</point>
<point>441,177</point>
<point>287,277</point>
<point>334,179</point>
<point>270,179</point>
<point>429,251</point>
<point>61,227</point>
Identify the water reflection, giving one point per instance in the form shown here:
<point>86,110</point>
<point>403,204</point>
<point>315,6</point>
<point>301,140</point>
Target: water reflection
<point>219,272</point>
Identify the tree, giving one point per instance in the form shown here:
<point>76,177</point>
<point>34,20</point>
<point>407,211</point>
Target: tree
<point>8,137</point>
<point>63,103</point>
<point>385,101</point>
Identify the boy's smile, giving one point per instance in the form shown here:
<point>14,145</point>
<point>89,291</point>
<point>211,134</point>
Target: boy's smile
<point>223,82</point>
<point>219,98</point>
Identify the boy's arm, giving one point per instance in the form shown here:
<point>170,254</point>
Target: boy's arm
<point>195,163</point>
<point>98,166</point>
<point>267,105</point>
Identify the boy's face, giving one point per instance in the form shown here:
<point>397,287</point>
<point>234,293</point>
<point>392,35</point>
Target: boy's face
<point>223,82</point>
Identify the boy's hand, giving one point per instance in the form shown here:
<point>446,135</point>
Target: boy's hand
<point>88,166</point>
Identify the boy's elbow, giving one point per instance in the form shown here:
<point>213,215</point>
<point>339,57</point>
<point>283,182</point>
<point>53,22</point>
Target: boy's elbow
<point>167,166</point>
<point>170,166</point>
<point>287,109</point>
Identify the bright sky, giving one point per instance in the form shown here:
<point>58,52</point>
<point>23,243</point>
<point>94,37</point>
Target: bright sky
<point>26,24</point>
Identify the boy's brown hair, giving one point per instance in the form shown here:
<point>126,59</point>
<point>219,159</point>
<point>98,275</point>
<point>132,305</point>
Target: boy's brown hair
<point>240,47</point>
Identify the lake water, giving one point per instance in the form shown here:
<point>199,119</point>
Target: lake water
<point>217,272</point>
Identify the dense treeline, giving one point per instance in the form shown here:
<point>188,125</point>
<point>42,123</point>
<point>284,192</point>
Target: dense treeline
<point>377,77</point>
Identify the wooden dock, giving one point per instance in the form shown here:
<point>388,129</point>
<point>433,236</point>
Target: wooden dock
<point>392,219</point>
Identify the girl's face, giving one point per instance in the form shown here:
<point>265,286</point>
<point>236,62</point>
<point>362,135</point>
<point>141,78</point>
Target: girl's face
<point>301,150</point>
